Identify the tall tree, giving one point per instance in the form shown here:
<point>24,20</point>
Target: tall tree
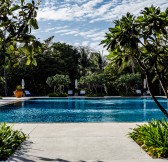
<point>90,61</point>
<point>84,60</point>
<point>67,59</point>
<point>145,37</point>
<point>17,21</point>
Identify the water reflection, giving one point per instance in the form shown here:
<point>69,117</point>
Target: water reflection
<point>144,109</point>
<point>83,110</point>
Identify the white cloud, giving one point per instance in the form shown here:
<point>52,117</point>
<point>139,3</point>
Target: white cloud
<point>90,4</point>
<point>95,46</point>
<point>52,14</point>
<point>55,28</point>
<point>92,35</point>
<point>94,10</point>
<point>132,6</point>
<point>85,43</point>
<point>87,20</point>
<point>67,11</point>
<point>49,29</point>
<point>61,31</point>
<point>76,44</point>
<point>49,3</point>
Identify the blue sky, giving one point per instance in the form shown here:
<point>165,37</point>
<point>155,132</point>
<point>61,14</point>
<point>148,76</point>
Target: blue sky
<point>84,22</point>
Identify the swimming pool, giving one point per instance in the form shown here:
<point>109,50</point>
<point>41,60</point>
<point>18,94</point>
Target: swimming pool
<point>82,110</point>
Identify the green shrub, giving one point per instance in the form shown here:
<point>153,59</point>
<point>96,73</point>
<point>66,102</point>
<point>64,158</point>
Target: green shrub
<point>57,95</point>
<point>19,87</point>
<point>153,138</point>
<point>9,140</point>
<point>52,95</point>
<point>95,95</point>
<point>62,95</point>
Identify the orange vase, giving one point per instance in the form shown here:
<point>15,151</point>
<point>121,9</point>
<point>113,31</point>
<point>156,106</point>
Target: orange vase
<point>18,93</point>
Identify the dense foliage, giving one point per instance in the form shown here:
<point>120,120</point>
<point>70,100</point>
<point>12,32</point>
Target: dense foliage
<point>94,83</point>
<point>57,94</point>
<point>9,140</point>
<point>56,58</point>
<point>59,82</point>
<point>128,83</point>
<point>152,137</point>
<point>16,41</point>
<point>142,39</point>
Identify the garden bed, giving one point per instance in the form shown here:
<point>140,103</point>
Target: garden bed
<point>9,140</point>
<point>152,137</point>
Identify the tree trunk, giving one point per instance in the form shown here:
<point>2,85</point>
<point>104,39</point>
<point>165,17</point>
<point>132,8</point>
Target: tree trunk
<point>154,98</point>
<point>95,87</point>
<point>105,89</point>
<point>63,89</point>
<point>163,88</point>
<point>54,88</point>
<point>133,66</point>
<point>126,90</point>
<point>161,83</point>
<point>5,85</point>
<point>89,88</point>
<point>57,90</point>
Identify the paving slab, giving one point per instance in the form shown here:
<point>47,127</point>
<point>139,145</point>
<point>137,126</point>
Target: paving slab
<point>26,128</point>
<point>79,142</point>
<point>80,129</point>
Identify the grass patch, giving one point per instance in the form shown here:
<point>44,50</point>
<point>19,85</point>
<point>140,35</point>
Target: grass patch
<point>9,140</point>
<point>152,137</point>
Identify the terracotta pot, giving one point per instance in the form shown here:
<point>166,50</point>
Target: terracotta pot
<point>18,93</point>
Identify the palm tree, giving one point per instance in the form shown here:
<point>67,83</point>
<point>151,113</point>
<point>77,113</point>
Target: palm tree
<point>84,60</point>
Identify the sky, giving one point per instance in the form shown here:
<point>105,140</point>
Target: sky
<point>85,22</point>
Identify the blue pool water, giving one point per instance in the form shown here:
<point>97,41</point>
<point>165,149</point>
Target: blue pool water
<point>83,110</point>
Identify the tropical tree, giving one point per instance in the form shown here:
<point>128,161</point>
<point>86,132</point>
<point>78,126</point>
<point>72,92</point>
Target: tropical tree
<point>97,62</point>
<point>121,80</point>
<point>67,58</point>
<point>53,58</point>
<point>90,61</point>
<point>127,84</point>
<point>59,82</point>
<point>93,82</point>
<point>84,60</point>
<point>16,23</point>
<point>145,39</point>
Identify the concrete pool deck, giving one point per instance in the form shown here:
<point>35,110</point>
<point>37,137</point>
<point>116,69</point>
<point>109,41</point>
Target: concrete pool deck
<point>79,142</point>
<point>10,100</point>
<point>82,142</point>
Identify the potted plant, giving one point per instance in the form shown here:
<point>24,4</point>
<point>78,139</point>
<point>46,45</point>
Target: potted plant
<point>18,92</point>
